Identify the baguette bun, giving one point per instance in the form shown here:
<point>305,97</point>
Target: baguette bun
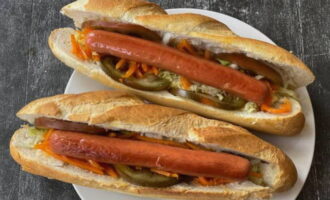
<point>117,110</point>
<point>36,162</point>
<point>284,124</point>
<point>201,30</point>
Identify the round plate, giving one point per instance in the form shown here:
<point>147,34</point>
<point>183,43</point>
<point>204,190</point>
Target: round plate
<point>299,148</point>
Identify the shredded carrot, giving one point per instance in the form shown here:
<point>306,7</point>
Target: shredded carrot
<point>145,67</point>
<point>120,63</point>
<point>72,161</point>
<point>82,51</point>
<point>219,181</point>
<point>86,52</point>
<point>74,45</point>
<point>111,171</point>
<point>213,181</point>
<point>207,54</point>
<point>165,142</point>
<point>75,49</point>
<point>155,70</point>
<point>284,107</point>
<point>203,181</point>
<point>138,73</point>
<point>95,164</point>
<point>164,173</point>
<point>207,102</point>
<point>131,69</point>
<point>184,46</point>
<point>255,174</point>
<point>185,82</point>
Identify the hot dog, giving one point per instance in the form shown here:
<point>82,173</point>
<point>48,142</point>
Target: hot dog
<point>193,68</point>
<point>146,154</point>
<point>216,73</point>
<point>124,144</point>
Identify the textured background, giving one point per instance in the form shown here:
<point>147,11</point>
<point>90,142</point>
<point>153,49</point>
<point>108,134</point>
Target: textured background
<point>28,71</point>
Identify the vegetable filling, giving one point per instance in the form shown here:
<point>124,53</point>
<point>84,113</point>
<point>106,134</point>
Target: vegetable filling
<point>151,177</point>
<point>150,78</point>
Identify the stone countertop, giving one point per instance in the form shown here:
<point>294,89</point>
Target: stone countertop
<point>29,71</point>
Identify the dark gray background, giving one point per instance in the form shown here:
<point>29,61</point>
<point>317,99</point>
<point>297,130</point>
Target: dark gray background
<point>28,71</point>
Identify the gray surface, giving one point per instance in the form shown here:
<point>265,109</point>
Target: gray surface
<point>28,71</point>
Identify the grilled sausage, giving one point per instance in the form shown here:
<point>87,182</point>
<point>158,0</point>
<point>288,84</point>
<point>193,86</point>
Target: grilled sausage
<point>189,66</point>
<point>139,153</point>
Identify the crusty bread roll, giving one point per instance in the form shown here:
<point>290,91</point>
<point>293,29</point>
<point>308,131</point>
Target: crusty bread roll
<point>36,162</point>
<point>284,124</point>
<point>201,31</point>
<point>120,111</point>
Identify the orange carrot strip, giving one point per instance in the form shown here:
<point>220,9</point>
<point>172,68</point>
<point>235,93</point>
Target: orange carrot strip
<point>75,49</point>
<point>207,102</point>
<point>220,181</point>
<point>186,47</point>
<point>120,63</point>
<point>95,164</point>
<point>138,73</point>
<point>131,69</point>
<point>164,173</point>
<point>145,67</point>
<point>74,44</point>
<point>203,181</point>
<point>76,162</point>
<point>111,172</point>
<point>73,161</point>
<point>255,174</point>
<point>213,181</point>
<point>155,70</point>
<point>88,52</point>
<point>185,82</point>
<point>284,107</point>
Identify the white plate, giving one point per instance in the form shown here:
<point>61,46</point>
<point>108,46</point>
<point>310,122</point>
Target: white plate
<point>299,148</point>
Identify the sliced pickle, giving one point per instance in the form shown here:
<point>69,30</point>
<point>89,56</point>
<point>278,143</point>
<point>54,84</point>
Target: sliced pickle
<point>149,82</point>
<point>228,102</point>
<point>145,177</point>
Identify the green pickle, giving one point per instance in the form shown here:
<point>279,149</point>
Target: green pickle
<point>223,62</point>
<point>145,177</point>
<point>149,82</point>
<point>228,102</point>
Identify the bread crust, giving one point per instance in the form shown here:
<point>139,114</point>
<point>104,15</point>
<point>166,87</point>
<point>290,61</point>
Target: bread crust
<point>293,71</point>
<point>117,110</point>
<point>36,162</point>
<point>184,24</point>
<point>287,124</point>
